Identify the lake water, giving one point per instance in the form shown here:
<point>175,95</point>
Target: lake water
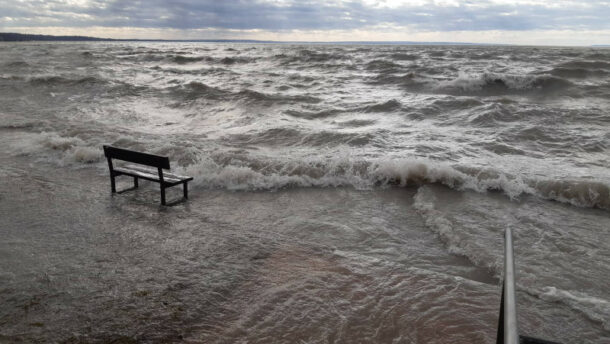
<point>341,193</point>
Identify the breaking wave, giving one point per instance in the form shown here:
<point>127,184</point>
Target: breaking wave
<point>493,83</point>
<point>252,174</point>
<point>484,84</point>
<point>455,239</point>
<point>63,150</point>
<point>594,308</point>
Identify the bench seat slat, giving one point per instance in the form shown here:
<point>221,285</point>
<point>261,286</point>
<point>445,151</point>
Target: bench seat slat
<point>154,171</point>
<point>152,175</point>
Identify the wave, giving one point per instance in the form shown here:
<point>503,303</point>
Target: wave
<point>484,84</point>
<point>238,173</point>
<point>579,193</point>
<point>181,59</point>
<point>314,114</point>
<point>17,125</point>
<point>409,80</point>
<point>236,59</point>
<point>404,57</point>
<point>578,73</point>
<point>482,56</point>
<point>52,80</point>
<point>315,56</point>
<point>17,64</point>
<point>275,98</point>
<point>195,90</point>
<point>456,240</point>
<point>294,137</point>
<point>437,53</point>
<point>59,149</point>
<point>597,56</point>
<point>12,77</point>
<point>585,65</point>
<point>494,83</point>
<point>202,71</point>
<point>76,83</point>
<point>301,78</point>
<point>355,123</point>
<point>383,65</point>
<point>147,57</point>
<point>306,56</point>
<point>390,105</point>
<point>594,308</point>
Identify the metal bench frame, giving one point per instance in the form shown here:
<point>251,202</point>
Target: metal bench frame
<point>165,179</point>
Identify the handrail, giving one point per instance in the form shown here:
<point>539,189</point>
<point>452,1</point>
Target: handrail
<point>511,334</point>
<point>508,332</point>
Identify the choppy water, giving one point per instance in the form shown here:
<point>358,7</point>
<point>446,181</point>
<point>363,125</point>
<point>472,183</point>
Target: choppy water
<point>435,150</point>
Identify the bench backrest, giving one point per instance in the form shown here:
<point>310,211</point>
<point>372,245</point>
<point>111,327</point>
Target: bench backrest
<point>136,157</point>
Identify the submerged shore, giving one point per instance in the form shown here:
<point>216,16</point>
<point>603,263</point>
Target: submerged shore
<point>310,265</point>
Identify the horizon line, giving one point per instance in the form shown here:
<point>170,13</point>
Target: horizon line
<point>80,38</point>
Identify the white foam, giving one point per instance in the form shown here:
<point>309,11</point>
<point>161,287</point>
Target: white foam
<point>85,154</point>
<point>60,143</point>
<point>240,176</point>
<point>594,308</point>
<point>457,241</point>
<point>267,173</point>
<point>55,148</point>
<point>434,219</point>
<point>224,169</point>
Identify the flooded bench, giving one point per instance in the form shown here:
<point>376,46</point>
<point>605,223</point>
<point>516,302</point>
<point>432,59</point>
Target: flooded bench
<point>143,170</point>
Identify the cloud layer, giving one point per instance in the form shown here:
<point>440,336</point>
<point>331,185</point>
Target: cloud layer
<point>281,16</point>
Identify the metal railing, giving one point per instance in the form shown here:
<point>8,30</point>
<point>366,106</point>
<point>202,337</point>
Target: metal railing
<point>508,329</point>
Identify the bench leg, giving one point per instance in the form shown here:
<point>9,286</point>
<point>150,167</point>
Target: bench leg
<point>185,190</point>
<point>135,182</point>
<point>112,183</point>
<point>162,194</point>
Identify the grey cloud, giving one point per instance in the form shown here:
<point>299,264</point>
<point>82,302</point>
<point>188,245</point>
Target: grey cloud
<point>304,15</point>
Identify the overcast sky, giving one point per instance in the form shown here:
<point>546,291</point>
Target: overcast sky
<point>549,22</point>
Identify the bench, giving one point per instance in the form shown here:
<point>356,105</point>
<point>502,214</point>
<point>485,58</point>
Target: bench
<point>165,179</point>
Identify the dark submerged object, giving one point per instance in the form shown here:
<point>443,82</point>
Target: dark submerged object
<point>508,332</point>
<point>165,179</point>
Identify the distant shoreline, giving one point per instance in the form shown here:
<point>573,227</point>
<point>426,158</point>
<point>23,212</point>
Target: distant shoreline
<point>18,37</point>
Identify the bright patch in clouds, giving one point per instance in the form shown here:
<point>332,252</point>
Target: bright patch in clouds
<point>561,22</point>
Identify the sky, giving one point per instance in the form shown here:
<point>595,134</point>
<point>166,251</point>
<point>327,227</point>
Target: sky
<point>529,22</point>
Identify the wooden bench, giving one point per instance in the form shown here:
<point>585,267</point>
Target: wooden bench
<point>165,179</point>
